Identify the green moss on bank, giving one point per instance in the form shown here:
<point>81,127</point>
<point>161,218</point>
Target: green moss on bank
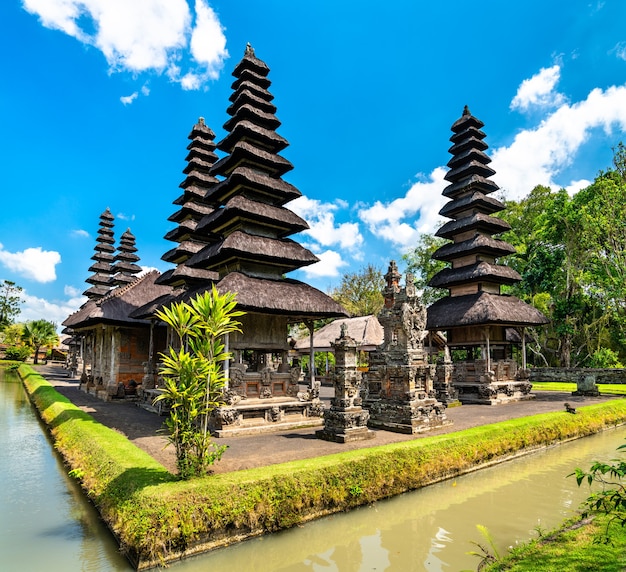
<point>156,517</point>
<point>574,547</point>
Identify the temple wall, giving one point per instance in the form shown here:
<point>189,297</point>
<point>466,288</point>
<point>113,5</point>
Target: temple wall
<point>572,374</point>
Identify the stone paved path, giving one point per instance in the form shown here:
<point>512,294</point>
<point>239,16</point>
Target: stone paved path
<point>141,427</point>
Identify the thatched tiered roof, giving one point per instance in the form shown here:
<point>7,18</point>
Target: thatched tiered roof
<point>475,276</point>
<point>193,207</point>
<point>101,280</point>
<point>118,305</point>
<point>126,267</point>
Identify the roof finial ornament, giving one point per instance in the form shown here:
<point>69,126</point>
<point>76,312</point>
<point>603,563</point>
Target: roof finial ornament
<point>466,111</point>
<point>249,50</point>
<point>201,120</point>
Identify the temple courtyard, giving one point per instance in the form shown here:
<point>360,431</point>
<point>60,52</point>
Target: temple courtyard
<point>142,427</point>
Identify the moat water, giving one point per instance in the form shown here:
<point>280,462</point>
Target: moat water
<point>47,525</point>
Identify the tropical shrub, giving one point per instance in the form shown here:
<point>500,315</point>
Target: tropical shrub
<point>194,376</point>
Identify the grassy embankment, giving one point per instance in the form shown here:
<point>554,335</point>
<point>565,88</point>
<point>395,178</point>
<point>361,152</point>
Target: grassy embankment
<point>573,547</point>
<point>157,518</point>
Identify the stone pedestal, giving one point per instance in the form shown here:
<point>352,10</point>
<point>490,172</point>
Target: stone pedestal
<point>346,420</point>
<point>586,385</point>
<point>444,389</point>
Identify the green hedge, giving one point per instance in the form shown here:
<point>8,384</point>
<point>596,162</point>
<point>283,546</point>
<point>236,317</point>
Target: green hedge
<point>157,517</point>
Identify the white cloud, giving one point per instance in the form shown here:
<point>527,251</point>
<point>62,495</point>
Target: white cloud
<point>34,308</point>
<point>128,99</point>
<point>142,35</point>
<point>71,291</point>
<point>537,156</point>
<point>394,221</point>
<point>323,228</point>
<point>123,216</point>
<point>620,50</point>
<point>328,266</point>
<point>79,233</point>
<point>32,263</point>
<point>539,90</point>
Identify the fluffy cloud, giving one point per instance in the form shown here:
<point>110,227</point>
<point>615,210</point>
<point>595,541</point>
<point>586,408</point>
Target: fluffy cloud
<point>324,229</point>
<point>32,263</point>
<point>539,90</point>
<point>328,267</point>
<point>395,221</point>
<point>79,233</point>
<point>537,156</point>
<point>34,308</point>
<point>143,35</point>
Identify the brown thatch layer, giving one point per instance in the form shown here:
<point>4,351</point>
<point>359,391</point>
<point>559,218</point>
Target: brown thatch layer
<point>276,190</point>
<point>246,129</point>
<point>482,309</point>
<point>191,208</point>
<point>183,274</point>
<point>478,272</point>
<point>254,115</point>
<point>250,62</point>
<point>183,251</point>
<point>245,154</point>
<point>282,221</point>
<point>480,243</point>
<point>245,96</point>
<point>247,85</point>
<point>466,143</point>
<point>468,155</point>
<point>475,200</point>
<point>467,169</point>
<point>248,75</point>
<point>478,221</point>
<point>118,304</point>
<point>244,246</point>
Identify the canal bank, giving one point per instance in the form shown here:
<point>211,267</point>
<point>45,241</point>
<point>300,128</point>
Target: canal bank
<point>156,518</point>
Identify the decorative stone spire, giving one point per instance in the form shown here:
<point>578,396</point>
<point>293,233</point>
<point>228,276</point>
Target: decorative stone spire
<point>103,257</point>
<point>125,267</point>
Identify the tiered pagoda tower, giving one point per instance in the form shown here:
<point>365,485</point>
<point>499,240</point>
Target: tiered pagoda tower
<point>193,207</point>
<point>242,245</point>
<point>102,268</point>
<point>478,318</point>
<point>125,267</point>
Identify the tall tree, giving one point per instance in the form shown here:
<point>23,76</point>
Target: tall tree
<point>38,334</point>
<point>10,300</point>
<point>361,293</point>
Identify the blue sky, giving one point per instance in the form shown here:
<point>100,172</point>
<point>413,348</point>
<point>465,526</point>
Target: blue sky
<point>97,98</point>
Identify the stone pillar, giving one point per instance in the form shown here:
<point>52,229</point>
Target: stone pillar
<point>346,420</point>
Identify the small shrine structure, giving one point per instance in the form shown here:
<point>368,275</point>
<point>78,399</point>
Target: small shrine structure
<point>346,420</point>
<point>399,391</point>
<point>478,318</point>
<point>234,231</point>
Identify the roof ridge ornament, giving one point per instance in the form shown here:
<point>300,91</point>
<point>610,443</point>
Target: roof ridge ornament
<point>249,50</point>
<point>466,111</point>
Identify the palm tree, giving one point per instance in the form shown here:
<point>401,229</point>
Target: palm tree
<point>40,333</point>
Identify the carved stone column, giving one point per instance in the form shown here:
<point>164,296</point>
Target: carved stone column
<point>346,420</point>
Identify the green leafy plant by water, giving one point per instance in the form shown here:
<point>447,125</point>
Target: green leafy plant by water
<point>194,375</point>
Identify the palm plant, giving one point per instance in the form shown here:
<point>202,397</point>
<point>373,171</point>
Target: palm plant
<point>38,334</point>
<point>194,376</point>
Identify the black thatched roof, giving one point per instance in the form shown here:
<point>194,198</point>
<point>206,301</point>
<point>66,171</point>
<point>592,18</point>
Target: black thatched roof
<point>477,272</point>
<point>118,305</point>
<point>477,221</point>
<point>247,155</point>
<point>241,246</point>
<point>240,209</point>
<point>482,309</point>
<point>475,200</point>
<point>269,138</point>
<point>184,275</point>
<point>478,244</point>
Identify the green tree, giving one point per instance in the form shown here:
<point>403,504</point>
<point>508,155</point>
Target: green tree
<point>38,334</point>
<point>10,300</point>
<point>421,264</point>
<point>360,293</point>
<point>194,376</point>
